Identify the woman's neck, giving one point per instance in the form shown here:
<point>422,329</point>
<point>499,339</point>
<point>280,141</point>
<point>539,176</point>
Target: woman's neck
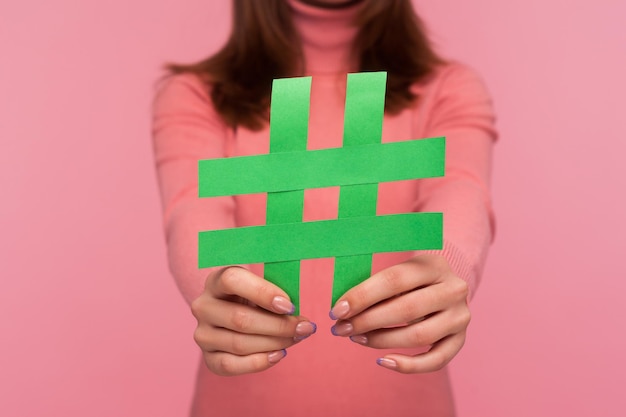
<point>327,36</point>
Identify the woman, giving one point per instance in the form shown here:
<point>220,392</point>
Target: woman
<point>414,307</point>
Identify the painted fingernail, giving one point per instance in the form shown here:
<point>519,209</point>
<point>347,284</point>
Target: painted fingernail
<point>283,305</point>
<point>343,328</point>
<point>340,310</point>
<point>387,363</point>
<point>360,339</point>
<point>305,328</point>
<point>276,356</point>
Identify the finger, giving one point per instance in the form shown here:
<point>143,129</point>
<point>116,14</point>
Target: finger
<point>222,340</point>
<point>403,309</point>
<point>433,360</point>
<point>227,364</point>
<point>243,283</point>
<point>424,333</point>
<point>387,283</point>
<point>250,320</point>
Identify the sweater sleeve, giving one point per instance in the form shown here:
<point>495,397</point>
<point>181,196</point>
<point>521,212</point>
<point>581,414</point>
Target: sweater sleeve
<point>185,128</point>
<point>462,111</point>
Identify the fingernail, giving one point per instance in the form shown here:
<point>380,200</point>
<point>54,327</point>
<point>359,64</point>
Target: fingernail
<point>340,310</point>
<point>387,363</point>
<point>343,328</point>
<point>276,356</point>
<point>283,305</point>
<point>360,339</point>
<point>306,328</point>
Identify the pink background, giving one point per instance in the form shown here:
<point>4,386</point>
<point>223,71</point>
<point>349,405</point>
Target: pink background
<point>91,322</point>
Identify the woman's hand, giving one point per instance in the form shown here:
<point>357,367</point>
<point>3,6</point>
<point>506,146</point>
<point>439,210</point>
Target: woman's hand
<point>245,322</point>
<point>417,303</point>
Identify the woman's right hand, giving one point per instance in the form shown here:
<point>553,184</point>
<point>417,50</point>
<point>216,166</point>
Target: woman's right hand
<point>245,322</point>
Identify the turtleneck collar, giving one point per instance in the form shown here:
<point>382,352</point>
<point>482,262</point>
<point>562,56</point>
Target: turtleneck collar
<point>327,36</point>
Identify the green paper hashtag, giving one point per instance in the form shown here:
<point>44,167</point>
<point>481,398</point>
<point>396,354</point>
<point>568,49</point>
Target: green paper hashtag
<point>289,169</point>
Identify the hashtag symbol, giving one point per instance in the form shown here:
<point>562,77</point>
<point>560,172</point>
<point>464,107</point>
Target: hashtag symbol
<point>288,169</point>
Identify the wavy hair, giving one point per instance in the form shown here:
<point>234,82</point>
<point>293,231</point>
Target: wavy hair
<point>261,47</point>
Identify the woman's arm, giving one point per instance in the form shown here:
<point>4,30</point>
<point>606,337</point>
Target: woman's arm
<point>462,111</point>
<point>423,302</point>
<point>185,129</point>
<point>245,323</point>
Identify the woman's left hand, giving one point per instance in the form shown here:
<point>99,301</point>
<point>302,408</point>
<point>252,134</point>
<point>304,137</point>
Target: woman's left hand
<point>418,303</point>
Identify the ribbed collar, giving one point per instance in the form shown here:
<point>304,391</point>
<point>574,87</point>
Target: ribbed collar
<point>327,36</point>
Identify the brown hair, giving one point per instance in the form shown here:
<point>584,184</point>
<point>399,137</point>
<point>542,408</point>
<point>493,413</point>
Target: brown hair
<point>391,38</point>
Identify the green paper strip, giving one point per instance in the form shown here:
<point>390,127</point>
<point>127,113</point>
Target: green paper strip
<point>289,122</point>
<point>351,165</point>
<point>289,169</point>
<point>363,125</point>
<point>320,239</point>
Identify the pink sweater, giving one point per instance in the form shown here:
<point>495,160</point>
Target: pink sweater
<point>326,375</point>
